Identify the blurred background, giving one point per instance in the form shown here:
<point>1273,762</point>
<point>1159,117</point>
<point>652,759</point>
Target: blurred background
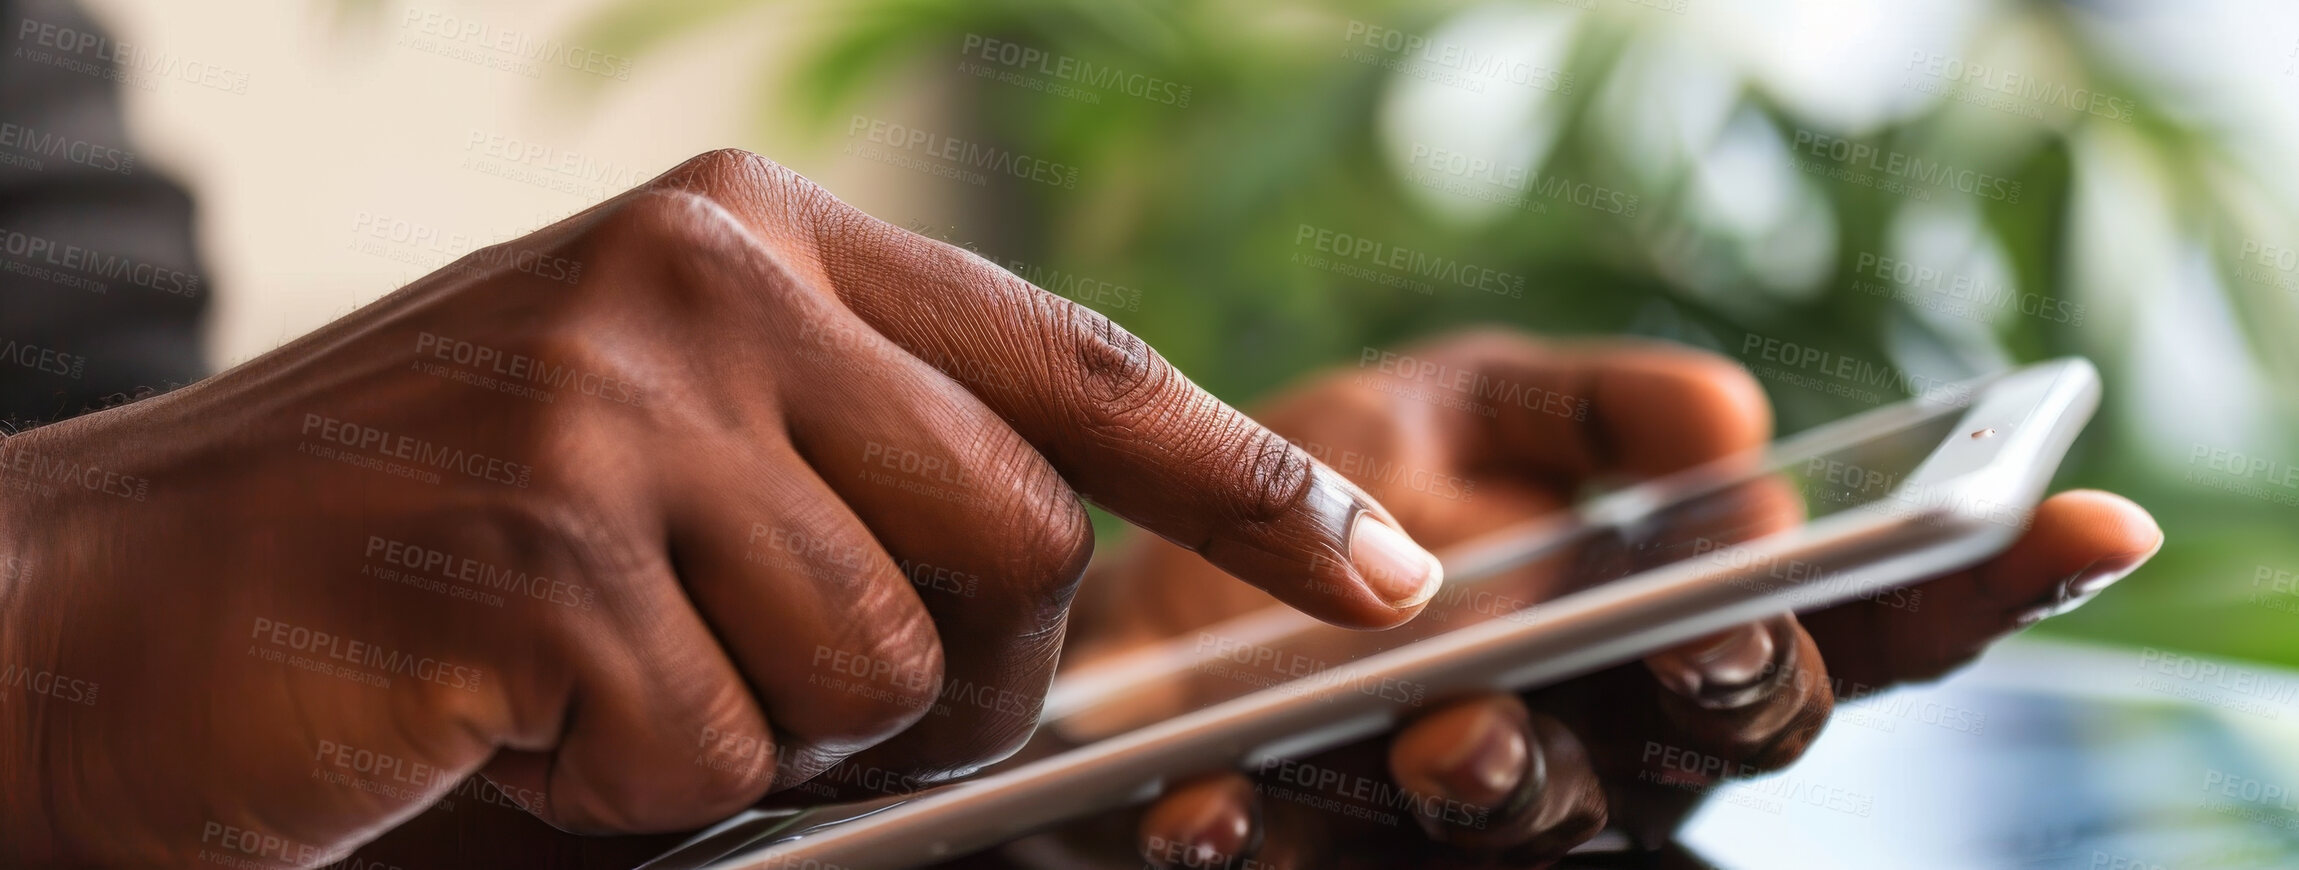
<point>1922,191</point>
<point>1914,191</point>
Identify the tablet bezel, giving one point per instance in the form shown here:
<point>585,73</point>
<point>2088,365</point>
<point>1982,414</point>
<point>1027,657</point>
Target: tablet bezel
<point>1968,500</point>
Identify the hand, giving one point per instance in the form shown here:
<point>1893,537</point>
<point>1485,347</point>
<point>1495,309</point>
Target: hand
<point>1520,779</point>
<point>718,489</point>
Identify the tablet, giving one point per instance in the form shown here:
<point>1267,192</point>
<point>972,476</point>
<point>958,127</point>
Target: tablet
<point>1856,508</point>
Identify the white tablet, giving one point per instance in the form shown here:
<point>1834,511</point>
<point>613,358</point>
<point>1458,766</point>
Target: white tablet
<point>1853,509</point>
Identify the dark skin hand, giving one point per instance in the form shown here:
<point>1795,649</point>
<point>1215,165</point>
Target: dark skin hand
<point>1503,780</point>
<point>704,495</point>
<point>707,496</point>
<point>1652,410</point>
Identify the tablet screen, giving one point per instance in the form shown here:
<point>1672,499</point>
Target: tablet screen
<point>1519,573</point>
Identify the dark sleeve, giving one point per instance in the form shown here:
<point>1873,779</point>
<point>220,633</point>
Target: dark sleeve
<point>100,291</point>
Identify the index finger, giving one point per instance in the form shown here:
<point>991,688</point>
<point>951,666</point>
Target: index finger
<point>1126,429</point>
<point>1136,436</point>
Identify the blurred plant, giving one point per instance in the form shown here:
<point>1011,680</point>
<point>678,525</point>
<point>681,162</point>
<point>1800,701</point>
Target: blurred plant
<point>1645,170</point>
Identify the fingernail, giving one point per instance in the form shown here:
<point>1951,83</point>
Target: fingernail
<point>2083,586</point>
<point>1397,569</point>
<point>2103,573</point>
<point>1484,769</point>
<point>1197,833</point>
<point>1721,670</point>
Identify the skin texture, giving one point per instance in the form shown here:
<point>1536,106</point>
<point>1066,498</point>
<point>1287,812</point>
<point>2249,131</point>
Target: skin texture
<point>1514,781</point>
<point>1450,476</point>
<point>710,493</point>
<point>783,494</point>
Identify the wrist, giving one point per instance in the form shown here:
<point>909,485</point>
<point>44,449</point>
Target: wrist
<point>39,498</point>
<point>24,831</point>
<point>21,500</point>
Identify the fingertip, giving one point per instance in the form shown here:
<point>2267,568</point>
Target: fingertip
<point>1330,551</point>
<point>1477,752</point>
<point>2082,541</point>
<point>2102,523</point>
<point>1674,407</point>
<point>1486,773</point>
<point>1400,571</point>
<point>1729,669</point>
<point>1207,822</point>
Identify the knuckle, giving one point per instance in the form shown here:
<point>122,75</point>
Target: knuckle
<point>678,222</point>
<point>1120,378</point>
<point>988,738</point>
<point>640,796</point>
<point>725,789</point>
<point>631,789</point>
<point>1053,541</point>
<point>1273,479</point>
<point>1049,537</point>
<point>892,674</point>
<point>1131,397</point>
<point>740,179</point>
<point>542,537</point>
<point>721,169</point>
<point>692,250</point>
